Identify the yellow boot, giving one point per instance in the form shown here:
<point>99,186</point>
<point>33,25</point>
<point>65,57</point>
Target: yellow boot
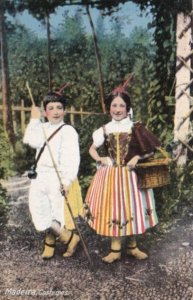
<point>134,251</point>
<point>49,246</point>
<point>71,239</point>
<point>115,253</point>
<point>72,245</point>
<point>65,235</point>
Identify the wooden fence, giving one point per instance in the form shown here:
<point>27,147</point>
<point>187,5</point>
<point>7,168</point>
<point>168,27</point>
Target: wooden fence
<point>24,115</point>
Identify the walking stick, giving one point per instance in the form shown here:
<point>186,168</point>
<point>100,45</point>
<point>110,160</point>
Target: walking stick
<point>61,185</point>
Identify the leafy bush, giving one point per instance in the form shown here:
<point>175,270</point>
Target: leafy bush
<point>3,206</point>
<point>6,156</point>
<point>176,198</point>
<point>23,158</point>
<point>6,169</point>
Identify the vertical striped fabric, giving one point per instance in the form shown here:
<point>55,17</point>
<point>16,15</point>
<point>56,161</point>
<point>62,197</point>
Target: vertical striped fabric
<point>116,206</point>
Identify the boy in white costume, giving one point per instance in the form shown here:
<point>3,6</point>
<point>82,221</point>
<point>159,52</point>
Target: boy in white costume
<point>46,203</point>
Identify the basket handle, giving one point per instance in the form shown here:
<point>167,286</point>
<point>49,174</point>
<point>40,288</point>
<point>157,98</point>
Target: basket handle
<point>164,153</point>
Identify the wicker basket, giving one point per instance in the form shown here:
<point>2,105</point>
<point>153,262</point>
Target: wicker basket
<point>154,173</point>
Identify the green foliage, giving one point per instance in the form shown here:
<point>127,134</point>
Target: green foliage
<point>167,198</point>
<point>176,198</point>
<point>6,156</point>
<point>144,53</point>
<point>38,9</point>
<point>172,5</point>
<point>27,61</point>
<point>24,157</point>
<point>162,75</point>
<point>14,162</point>
<point>4,207</point>
<point>6,169</point>
<point>74,61</point>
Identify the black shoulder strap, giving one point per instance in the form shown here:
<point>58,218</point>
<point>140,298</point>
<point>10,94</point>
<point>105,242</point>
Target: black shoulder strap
<point>44,145</point>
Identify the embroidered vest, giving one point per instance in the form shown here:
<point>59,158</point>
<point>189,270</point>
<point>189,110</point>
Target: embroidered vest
<point>117,145</point>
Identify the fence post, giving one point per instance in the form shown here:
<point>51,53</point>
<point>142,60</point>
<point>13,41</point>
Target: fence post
<point>81,115</point>
<point>72,115</point>
<point>22,116</point>
<point>43,118</point>
<point>14,121</point>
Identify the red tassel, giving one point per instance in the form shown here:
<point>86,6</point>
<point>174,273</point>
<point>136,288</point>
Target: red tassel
<point>123,88</point>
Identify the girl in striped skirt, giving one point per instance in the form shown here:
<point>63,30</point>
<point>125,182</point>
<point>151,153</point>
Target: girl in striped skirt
<point>115,206</point>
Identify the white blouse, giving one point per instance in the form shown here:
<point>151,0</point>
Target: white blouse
<point>124,125</point>
<point>64,146</point>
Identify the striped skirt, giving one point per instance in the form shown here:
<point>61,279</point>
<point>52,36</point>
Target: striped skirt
<point>114,206</point>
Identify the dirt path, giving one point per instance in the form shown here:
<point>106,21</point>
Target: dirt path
<point>167,274</point>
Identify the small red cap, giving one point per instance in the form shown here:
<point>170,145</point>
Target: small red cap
<point>123,88</point>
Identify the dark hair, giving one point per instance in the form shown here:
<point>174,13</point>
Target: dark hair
<point>54,97</point>
<point>124,96</point>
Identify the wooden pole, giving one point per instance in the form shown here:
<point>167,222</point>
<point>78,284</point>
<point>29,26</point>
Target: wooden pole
<point>98,60</point>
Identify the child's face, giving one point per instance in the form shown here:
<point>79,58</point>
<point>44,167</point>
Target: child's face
<point>118,109</point>
<point>54,112</point>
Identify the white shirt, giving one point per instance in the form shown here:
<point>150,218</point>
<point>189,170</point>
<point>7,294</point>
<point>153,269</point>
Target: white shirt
<point>64,147</point>
<point>124,125</point>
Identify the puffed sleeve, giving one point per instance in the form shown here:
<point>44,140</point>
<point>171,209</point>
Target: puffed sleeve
<point>69,155</point>
<point>98,137</point>
<point>33,134</point>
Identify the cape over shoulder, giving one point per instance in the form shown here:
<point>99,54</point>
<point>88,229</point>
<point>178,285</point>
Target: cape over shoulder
<point>143,140</point>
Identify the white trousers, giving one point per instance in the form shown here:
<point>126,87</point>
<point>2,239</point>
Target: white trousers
<point>46,202</point>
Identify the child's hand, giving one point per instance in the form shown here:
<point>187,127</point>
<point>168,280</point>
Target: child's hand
<point>105,161</point>
<point>132,163</point>
<point>35,112</point>
<point>64,190</point>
